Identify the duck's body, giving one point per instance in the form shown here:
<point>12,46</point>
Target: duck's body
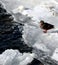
<point>46,26</point>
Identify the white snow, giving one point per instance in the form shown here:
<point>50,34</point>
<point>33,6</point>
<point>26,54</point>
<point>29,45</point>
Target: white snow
<point>41,47</point>
<point>55,55</point>
<point>14,57</point>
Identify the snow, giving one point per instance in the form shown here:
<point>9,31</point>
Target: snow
<point>34,36</point>
<point>55,54</point>
<point>45,13</point>
<point>41,47</point>
<point>14,57</point>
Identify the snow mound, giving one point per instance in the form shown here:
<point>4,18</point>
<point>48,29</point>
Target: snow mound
<point>14,57</point>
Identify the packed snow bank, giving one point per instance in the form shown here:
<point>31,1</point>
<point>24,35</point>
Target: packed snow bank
<point>14,57</point>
